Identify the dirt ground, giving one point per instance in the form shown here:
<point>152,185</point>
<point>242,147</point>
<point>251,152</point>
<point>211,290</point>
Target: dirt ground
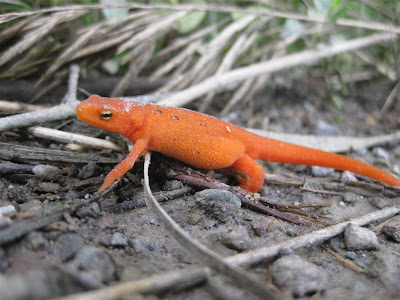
<point>108,242</point>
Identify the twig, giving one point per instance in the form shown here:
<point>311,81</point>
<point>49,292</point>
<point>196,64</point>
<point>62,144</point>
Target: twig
<point>59,112</point>
<point>155,284</point>
<point>155,29</point>
<point>28,154</point>
<point>210,258</point>
<point>381,67</point>
<point>389,100</point>
<point>68,137</point>
<point>346,262</point>
<point>135,68</point>
<point>277,64</point>
<point>37,34</point>
<point>13,106</point>
<point>315,237</point>
<point>73,80</point>
<point>138,197</point>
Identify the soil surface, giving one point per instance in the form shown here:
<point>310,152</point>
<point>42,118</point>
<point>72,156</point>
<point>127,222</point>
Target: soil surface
<point>107,242</point>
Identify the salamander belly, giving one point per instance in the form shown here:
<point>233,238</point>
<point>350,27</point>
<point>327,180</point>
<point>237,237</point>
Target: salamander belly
<point>202,151</point>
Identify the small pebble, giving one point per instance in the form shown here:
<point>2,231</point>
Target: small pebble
<point>219,204</point>
<point>381,153</point>
<point>140,244</point>
<point>36,241</point>
<point>173,185</point>
<point>350,197</point>
<point>379,202</point>
<point>48,173</point>
<point>396,169</point>
<point>5,221</point>
<point>68,245</point>
<point>351,255</point>
<point>32,206</point>
<point>158,249</point>
<point>97,263</point>
<point>348,177</point>
<point>46,187</point>
<point>299,276</point>
<point>152,222</point>
<point>392,232</point>
<point>324,264</point>
<point>18,194</point>
<point>324,128</point>
<point>8,210</point>
<point>321,171</point>
<point>285,250</point>
<point>237,239</point>
<point>119,240</point>
<point>260,227</point>
<point>359,238</point>
<point>90,170</point>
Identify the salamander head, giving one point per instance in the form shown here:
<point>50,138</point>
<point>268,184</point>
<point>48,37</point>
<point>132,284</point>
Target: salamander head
<point>113,114</point>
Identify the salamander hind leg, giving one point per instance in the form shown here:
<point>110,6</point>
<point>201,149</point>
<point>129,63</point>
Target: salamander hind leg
<point>253,178</point>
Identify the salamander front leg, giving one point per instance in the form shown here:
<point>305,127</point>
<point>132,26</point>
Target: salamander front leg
<point>254,173</point>
<point>124,166</point>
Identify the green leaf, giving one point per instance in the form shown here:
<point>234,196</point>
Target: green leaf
<point>190,21</point>
<point>337,101</point>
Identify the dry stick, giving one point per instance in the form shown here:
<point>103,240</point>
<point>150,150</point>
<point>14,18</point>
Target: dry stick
<point>154,29</point>
<point>135,68</point>
<point>239,47</point>
<point>68,137</point>
<point>35,35</point>
<point>318,236</point>
<point>164,282</point>
<point>59,112</point>
<point>208,257</point>
<point>216,46</point>
<point>153,285</point>
<point>183,41</point>
<point>176,60</point>
<point>277,64</point>
<point>205,65</point>
<point>381,67</point>
<point>14,106</point>
<point>27,41</point>
<point>68,53</point>
<point>71,95</point>
<point>389,100</point>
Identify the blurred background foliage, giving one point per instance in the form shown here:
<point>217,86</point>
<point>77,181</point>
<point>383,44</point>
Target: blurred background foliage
<point>184,42</point>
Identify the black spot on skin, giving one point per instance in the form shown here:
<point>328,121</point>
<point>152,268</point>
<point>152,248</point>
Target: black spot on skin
<point>174,140</point>
<point>158,112</point>
<point>175,118</point>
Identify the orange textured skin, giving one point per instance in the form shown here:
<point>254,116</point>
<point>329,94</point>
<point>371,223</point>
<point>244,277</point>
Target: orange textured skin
<point>205,142</point>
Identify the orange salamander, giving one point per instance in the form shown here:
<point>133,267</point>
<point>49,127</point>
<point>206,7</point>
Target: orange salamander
<point>205,142</point>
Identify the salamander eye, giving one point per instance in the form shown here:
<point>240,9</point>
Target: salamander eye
<point>106,114</point>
